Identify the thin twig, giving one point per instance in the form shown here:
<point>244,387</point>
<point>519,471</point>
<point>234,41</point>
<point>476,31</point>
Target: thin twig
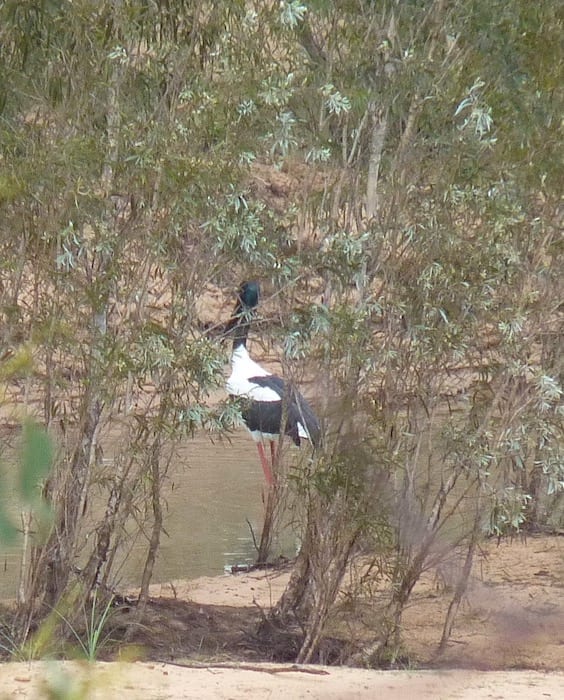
<point>294,668</point>
<point>255,544</point>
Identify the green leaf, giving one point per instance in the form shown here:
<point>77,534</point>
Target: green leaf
<point>7,529</point>
<point>36,459</point>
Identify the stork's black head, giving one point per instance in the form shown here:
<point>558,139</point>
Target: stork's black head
<point>248,296</point>
<point>247,301</point>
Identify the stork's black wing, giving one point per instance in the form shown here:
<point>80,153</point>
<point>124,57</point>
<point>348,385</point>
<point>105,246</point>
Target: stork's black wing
<point>267,416</point>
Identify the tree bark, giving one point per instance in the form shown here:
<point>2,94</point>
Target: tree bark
<point>157,527</point>
<point>379,119</point>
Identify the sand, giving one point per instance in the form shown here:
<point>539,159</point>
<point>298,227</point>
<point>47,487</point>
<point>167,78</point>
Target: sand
<point>511,622</point>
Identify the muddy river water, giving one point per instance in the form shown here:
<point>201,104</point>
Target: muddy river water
<point>211,492</point>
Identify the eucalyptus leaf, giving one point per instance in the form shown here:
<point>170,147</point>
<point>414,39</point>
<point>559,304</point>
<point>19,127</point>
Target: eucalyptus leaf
<point>36,460</point>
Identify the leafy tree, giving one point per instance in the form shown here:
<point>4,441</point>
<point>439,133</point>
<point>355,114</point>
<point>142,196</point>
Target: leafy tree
<point>423,220</point>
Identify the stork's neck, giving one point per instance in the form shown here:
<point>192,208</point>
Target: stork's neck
<point>244,366</point>
<point>238,326</point>
<point>240,334</point>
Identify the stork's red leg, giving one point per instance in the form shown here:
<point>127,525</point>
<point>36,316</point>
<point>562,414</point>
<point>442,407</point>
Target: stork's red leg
<point>265,465</point>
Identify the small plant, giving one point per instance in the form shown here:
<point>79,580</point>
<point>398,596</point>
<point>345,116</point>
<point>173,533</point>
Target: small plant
<point>10,647</point>
<point>95,635</point>
<point>31,648</point>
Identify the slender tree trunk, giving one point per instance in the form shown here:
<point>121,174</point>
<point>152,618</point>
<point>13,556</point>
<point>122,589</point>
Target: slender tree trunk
<point>104,532</point>
<point>318,573</point>
<point>325,590</point>
<point>462,583</point>
<point>417,538</point>
<point>58,556</point>
<point>268,526</point>
<point>154,542</point>
<point>273,505</point>
<point>379,120</point>
<point>294,598</point>
<point>62,546</point>
<point>23,587</point>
